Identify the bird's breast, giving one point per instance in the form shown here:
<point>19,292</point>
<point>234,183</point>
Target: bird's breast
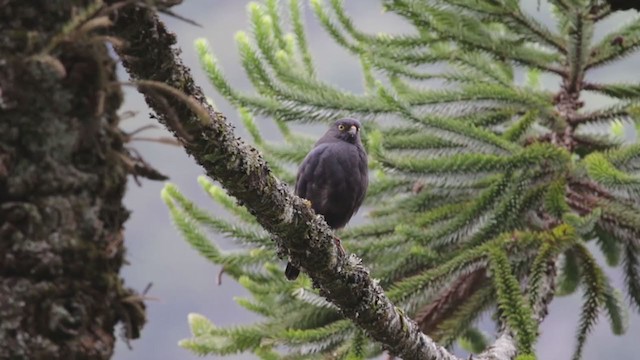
<point>333,177</point>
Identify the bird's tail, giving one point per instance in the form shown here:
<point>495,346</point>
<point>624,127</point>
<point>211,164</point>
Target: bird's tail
<point>291,272</point>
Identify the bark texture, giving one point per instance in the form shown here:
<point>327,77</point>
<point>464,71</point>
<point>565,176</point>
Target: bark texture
<point>62,179</point>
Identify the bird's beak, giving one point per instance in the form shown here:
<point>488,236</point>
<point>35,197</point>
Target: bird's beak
<point>353,130</point>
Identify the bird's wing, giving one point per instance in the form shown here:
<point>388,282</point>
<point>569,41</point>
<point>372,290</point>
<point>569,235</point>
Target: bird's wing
<point>362,178</point>
<point>321,180</point>
<point>333,178</point>
<point>354,183</point>
<point>306,181</point>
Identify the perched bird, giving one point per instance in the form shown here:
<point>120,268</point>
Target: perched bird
<point>333,177</point>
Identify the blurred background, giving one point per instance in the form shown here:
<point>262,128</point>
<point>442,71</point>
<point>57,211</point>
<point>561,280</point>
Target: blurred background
<point>184,282</point>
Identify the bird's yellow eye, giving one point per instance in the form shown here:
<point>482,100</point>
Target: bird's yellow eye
<point>341,127</point>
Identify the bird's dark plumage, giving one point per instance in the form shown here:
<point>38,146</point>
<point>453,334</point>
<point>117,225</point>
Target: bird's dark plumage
<point>334,177</point>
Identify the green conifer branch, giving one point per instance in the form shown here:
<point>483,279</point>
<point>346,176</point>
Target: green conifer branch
<point>484,68</point>
<point>332,29</point>
<point>367,73</point>
<point>220,196</point>
<point>519,128</point>
<point>346,23</point>
<point>265,38</point>
<point>553,244</point>
<point>473,35</point>
<point>524,98</point>
<point>249,123</point>
<point>580,33</point>
<point>381,188</point>
<point>492,116</point>
<point>357,351</point>
<point>504,216</point>
<point>312,298</point>
<point>570,274</point>
<point>563,4</point>
<point>386,53</point>
<point>247,233</point>
<point>625,111</point>
<point>545,254</point>
<point>215,75</point>
<point>554,201</point>
<point>408,260</point>
<point>301,39</point>
<point>475,163</point>
<point>473,340</point>
<point>625,158</point>
<point>456,326</point>
<point>433,279</point>
<point>512,15</point>
<point>469,217</point>
<point>631,266</point>
<point>449,129</point>
<point>413,138</point>
<point>224,341</point>
<point>594,295</point>
<point>615,45</point>
<point>618,91</point>
<point>609,245</point>
<point>394,68</point>
<point>319,96</point>
<point>319,335</point>
<point>602,171</point>
<point>255,306</point>
<point>273,10</point>
<point>511,302</point>
<point>616,311</point>
<point>536,31</point>
<point>196,239</point>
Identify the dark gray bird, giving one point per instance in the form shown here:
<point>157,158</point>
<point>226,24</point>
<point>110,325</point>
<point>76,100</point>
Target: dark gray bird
<point>334,177</point>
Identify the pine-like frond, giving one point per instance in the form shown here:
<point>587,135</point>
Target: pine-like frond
<point>208,339</point>
<point>473,341</point>
<point>609,245</point>
<point>605,173</point>
<point>616,310</point>
<point>616,44</point>
<point>457,326</point>
<point>570,274</point>
<point>631,266</point>
<point>511,302</point>
<point>594,296</point>
<point>220,196</point>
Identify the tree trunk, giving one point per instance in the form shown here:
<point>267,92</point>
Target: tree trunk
<point>63,172</point>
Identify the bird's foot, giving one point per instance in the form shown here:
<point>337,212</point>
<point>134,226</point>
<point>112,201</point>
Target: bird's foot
<point>338,243</point>
<point>307,203</point>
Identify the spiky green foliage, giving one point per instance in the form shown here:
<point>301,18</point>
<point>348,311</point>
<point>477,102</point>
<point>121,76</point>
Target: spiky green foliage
<point>478,175</point>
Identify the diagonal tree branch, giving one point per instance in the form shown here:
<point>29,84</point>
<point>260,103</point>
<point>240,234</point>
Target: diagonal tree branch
<point>149,55</point>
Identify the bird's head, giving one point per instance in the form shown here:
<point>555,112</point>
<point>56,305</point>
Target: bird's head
<point>347,130</point>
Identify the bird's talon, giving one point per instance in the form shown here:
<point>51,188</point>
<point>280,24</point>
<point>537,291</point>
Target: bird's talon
<point>307,203</point>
